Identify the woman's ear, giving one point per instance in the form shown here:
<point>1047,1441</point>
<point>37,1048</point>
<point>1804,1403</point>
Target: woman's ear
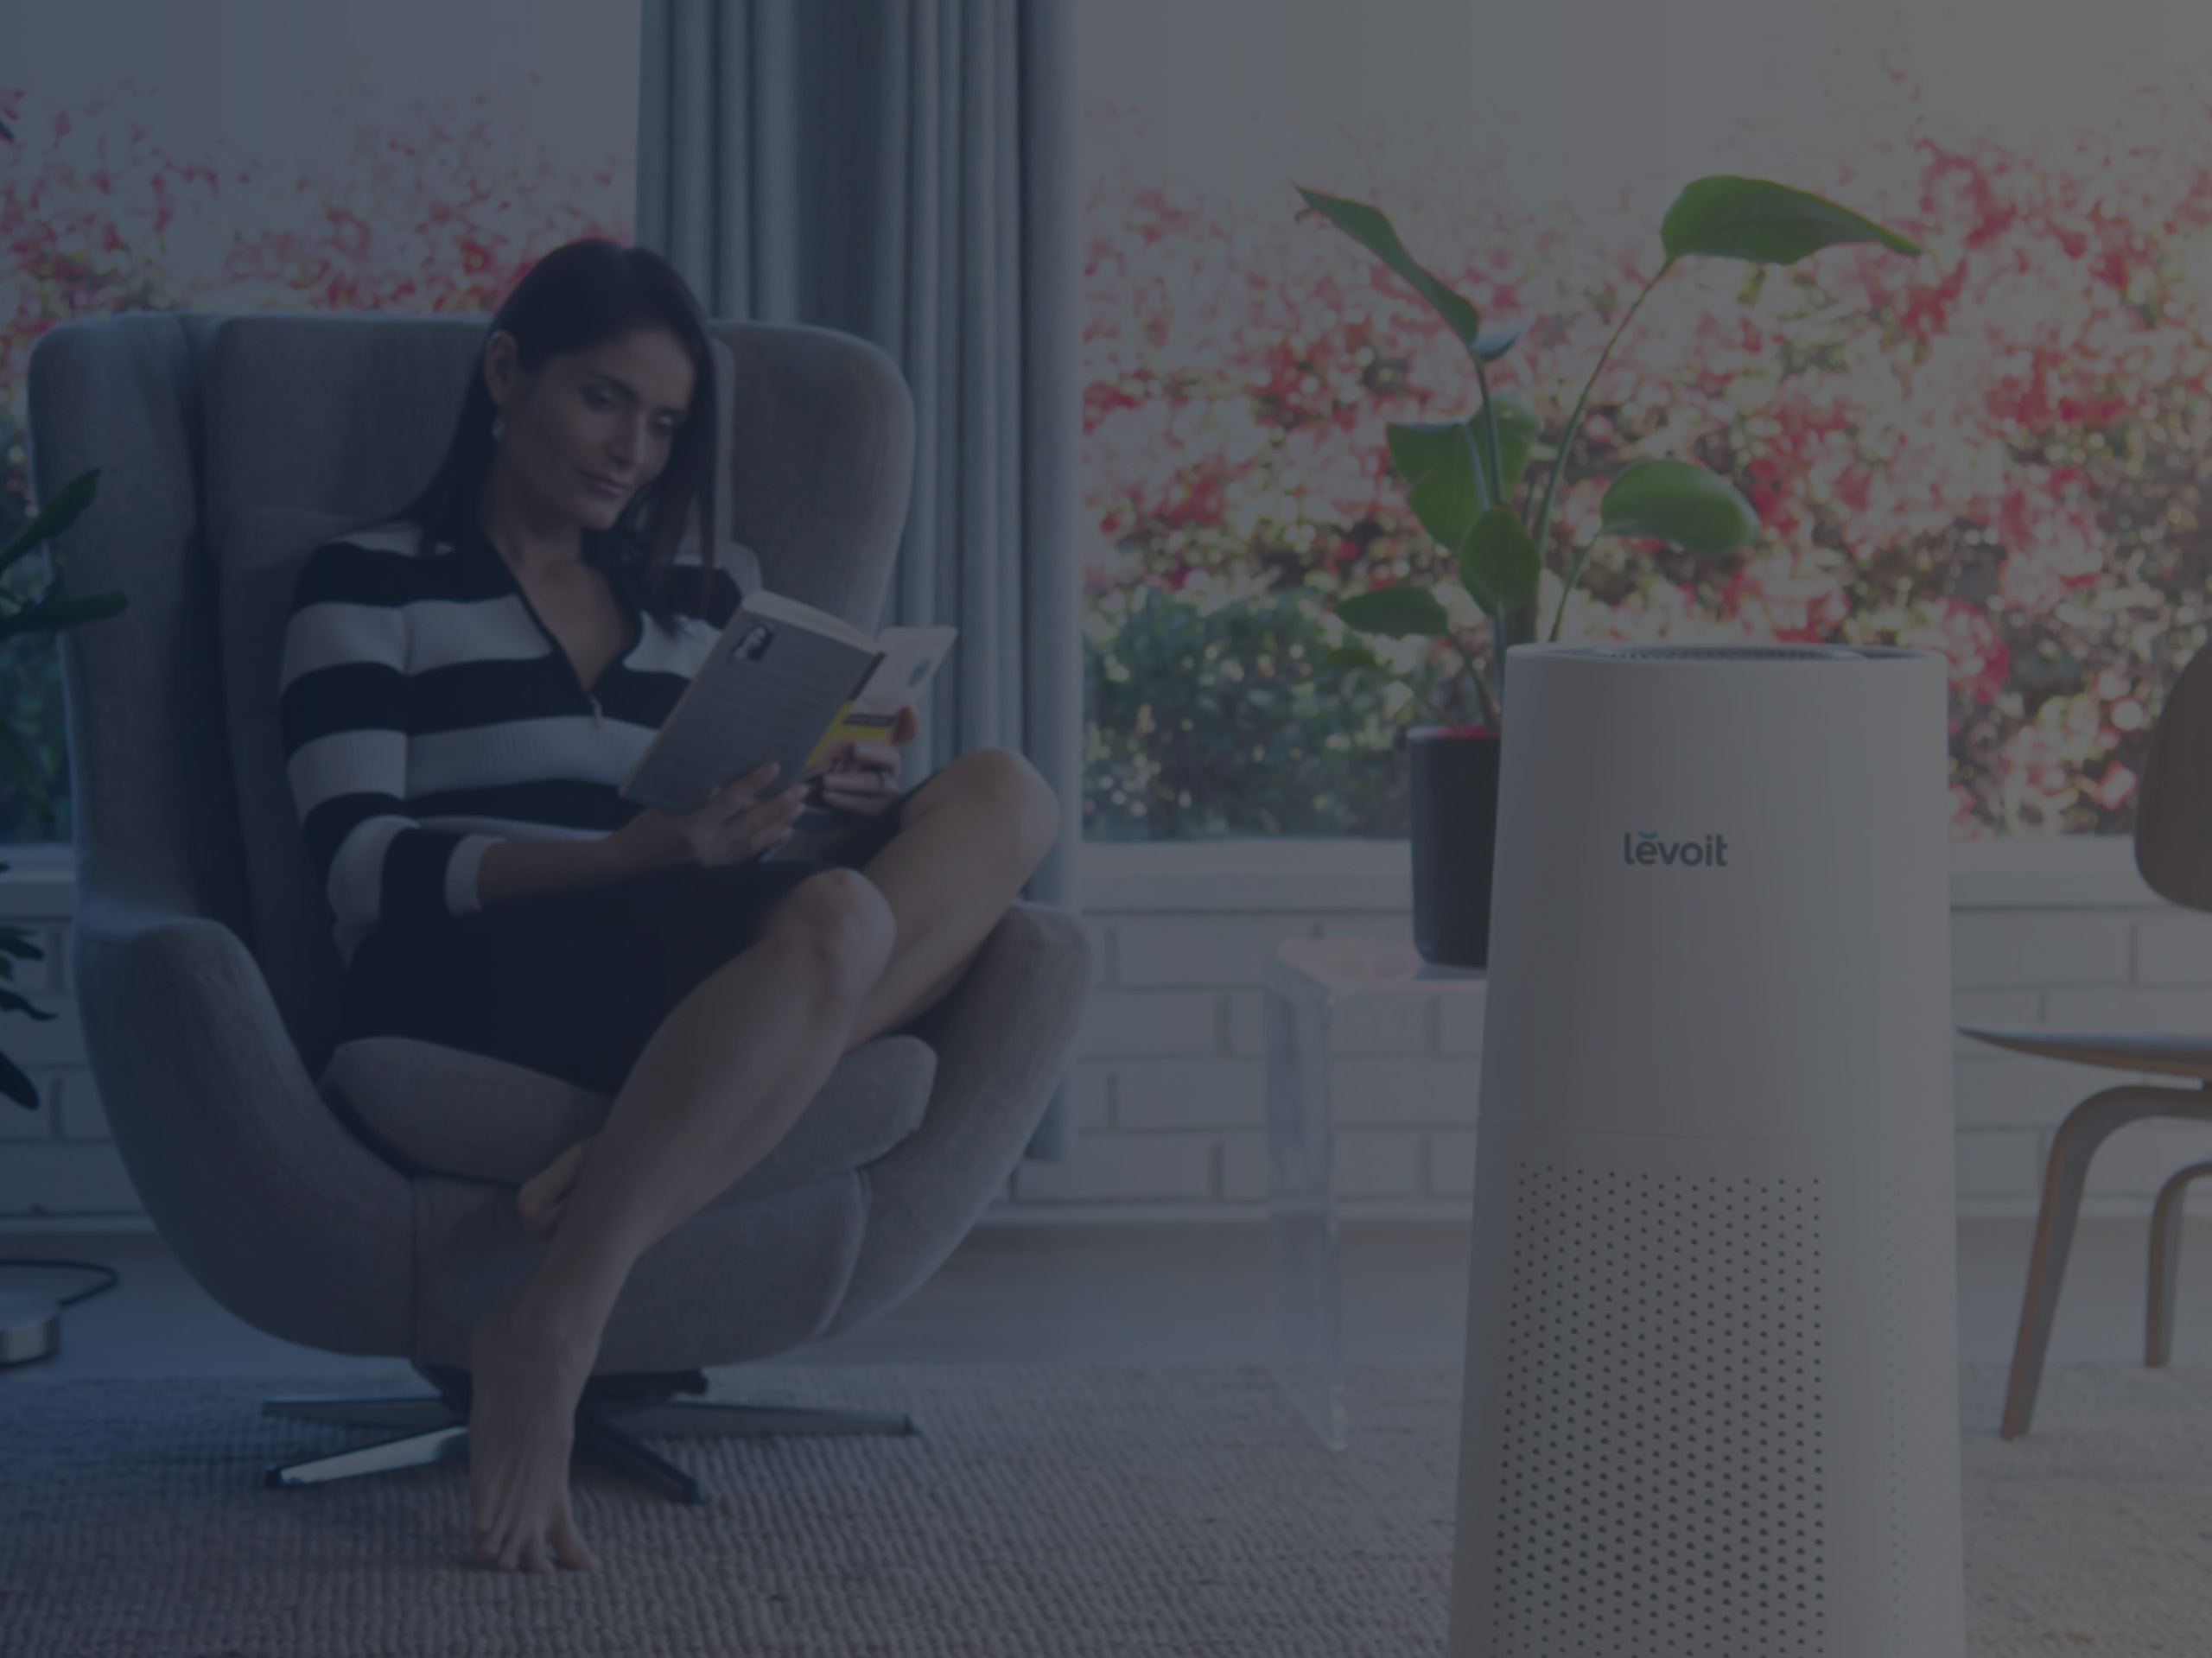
<point>502,368</point>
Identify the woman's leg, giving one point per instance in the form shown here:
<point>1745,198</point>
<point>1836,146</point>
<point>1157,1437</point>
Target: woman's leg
<point>967,843</point>
<point>720,1083</point>
<point>968,840</point>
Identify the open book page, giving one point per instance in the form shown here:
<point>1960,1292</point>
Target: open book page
<point>776,681</point>
<point>909,658</point>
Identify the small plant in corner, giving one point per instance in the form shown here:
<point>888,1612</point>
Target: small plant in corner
<point>49,612</point>
<point>1465,479</point>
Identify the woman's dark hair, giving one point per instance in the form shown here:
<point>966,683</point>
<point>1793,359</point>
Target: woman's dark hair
<point>577,298</point>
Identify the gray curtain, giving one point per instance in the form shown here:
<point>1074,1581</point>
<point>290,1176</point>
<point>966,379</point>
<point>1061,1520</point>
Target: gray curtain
<point>903,170</point>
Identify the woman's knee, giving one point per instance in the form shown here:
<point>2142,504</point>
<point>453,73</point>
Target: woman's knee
<point>838,928</point>
<point>1017,800</point>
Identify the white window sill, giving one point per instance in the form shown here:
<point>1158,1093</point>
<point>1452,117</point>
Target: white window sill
<point>1278,873</point>
<point>2056,872</point>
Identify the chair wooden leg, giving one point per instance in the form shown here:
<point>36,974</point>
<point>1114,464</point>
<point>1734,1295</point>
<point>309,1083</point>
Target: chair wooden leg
<point>2166,1218</point>
<point>2087,1126</point>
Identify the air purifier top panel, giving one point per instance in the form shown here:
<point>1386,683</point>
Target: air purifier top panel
<point>1721,892</point>
<point>1687,653</point>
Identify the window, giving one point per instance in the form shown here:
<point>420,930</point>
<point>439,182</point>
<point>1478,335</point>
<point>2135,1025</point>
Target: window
<point>258,155</point>
<point>1997,450</point>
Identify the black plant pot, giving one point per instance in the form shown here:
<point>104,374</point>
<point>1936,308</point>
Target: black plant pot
<point>1454,773</point>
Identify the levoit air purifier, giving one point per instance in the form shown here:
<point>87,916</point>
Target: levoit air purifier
<point>1711,1405</point>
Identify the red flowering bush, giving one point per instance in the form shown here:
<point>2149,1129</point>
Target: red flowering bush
<point>1997,452</point>
<point>434,208</point>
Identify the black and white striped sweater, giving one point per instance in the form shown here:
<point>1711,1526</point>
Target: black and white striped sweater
<point>428,713</point>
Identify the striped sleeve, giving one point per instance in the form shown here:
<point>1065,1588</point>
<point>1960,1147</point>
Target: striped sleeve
<point>344,711</point>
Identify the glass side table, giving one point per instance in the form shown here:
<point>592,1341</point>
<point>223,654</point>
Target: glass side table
<point>1308,981</point>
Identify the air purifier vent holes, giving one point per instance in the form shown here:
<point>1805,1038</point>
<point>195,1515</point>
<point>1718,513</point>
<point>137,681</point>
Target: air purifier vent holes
<point>1663,1464</point>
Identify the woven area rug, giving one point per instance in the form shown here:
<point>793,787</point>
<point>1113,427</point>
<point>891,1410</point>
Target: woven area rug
<point>2093,1533</point>
<point>1043,1510</point>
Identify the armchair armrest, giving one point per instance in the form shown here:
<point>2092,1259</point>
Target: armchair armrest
<point>274,1208</point>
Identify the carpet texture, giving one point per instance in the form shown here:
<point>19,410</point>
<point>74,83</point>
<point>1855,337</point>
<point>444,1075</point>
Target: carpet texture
<point>2093,1533</point>
<point>1042,1510</point>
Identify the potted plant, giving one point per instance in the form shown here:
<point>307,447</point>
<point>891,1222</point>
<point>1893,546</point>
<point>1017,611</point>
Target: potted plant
<point>1469,486</point>
<point>51,611</point>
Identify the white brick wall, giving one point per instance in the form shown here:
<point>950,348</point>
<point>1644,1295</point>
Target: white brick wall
<point>1169,1087</point>
<point>2049,934</point>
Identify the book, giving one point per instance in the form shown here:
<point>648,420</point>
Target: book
<point>783,683</point>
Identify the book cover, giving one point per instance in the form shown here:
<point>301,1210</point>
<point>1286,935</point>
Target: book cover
<point>783,683</point>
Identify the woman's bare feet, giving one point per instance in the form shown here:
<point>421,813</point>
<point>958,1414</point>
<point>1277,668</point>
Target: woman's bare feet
<point>525,1381</point>
<point>545,1194</point>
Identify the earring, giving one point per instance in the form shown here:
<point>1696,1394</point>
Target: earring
<point>498,429</point>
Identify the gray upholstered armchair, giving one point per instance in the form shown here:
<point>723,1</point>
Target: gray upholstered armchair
<point>374,1214</point>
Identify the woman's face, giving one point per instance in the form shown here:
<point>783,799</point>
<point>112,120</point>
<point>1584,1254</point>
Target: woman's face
<point>589,430</point>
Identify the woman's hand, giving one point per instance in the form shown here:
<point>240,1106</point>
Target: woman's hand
<point>863,777</point>
<point>734,824</point>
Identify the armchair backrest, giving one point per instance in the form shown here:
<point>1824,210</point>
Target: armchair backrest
<point>230,447</point>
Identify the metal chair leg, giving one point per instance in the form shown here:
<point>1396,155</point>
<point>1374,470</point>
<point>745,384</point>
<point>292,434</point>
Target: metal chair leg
<point>411,1451</point>
<point>640,1404</point>
<point>2087,1126</point>
<point>2166,1217</point>
<point>612,1449</point>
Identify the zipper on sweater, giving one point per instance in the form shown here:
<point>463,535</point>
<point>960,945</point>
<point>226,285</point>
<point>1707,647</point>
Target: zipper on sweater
<point>561,651</point>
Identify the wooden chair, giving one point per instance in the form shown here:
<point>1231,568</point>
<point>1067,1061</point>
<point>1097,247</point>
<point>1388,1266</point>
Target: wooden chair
<point>2173,850</point>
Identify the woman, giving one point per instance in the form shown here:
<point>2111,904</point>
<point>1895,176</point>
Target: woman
<point>464,689</point>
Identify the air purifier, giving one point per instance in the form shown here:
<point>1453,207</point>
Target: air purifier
<point>1711,1404</point>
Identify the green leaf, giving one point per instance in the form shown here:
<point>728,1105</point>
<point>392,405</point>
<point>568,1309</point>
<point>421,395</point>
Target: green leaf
<point>1445,485</point>
<point>1516,437</point>
<point>17,1086</point>
<point>1373,230</point>
<point>56,610</point>
<point>1437,460</point>
<point>55,517</point>
<point>13,1001</point>
<point>1678,501</point>
<point>1771,224</point>
<point>1395,613</point>
<point>1500,565</point>
<point>15,945</point>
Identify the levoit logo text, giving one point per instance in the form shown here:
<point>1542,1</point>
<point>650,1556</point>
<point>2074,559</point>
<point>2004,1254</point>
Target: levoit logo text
<point>1644,847</point>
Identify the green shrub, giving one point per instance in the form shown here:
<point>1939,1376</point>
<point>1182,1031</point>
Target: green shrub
<point>1224,717</point>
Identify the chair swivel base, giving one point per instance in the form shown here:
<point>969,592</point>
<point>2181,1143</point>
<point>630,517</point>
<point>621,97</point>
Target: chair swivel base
<point>434,1428</point>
